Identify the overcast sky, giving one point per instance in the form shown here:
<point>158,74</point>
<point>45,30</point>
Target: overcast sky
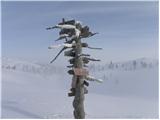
<point>128,30</point>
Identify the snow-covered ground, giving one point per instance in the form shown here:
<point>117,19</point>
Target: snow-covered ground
<point>31,90</point>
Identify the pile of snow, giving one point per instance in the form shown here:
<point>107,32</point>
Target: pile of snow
<point>26,95</point>
<point>123,94</point>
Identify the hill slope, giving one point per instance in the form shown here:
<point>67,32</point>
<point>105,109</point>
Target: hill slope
<point>131,93</point>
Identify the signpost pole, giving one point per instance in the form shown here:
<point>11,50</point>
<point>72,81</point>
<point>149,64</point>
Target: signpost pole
<point>78,102</point>
<point>72,31</point>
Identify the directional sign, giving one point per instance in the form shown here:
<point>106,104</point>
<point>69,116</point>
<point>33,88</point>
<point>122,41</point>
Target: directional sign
<point>80,71</point>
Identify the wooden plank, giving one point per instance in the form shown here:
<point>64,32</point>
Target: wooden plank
<point>80,71</point>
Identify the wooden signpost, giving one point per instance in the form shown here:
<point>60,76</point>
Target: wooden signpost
<point>72,31</point>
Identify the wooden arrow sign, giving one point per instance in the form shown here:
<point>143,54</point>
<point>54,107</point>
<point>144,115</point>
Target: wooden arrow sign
<point>80,72</point>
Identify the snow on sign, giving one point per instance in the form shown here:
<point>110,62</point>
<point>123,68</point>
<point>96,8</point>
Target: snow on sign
<point>80,71</point>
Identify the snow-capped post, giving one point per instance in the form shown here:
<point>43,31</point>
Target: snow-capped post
<point>73,31</point>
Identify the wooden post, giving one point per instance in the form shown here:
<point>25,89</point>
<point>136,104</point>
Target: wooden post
<point>79,74</point>
<point>78,102</point>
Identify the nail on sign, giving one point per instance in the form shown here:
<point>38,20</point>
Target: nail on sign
<point>80,71</point>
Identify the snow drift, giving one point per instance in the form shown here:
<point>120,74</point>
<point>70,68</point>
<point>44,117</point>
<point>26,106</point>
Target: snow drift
<point>32,90</point>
